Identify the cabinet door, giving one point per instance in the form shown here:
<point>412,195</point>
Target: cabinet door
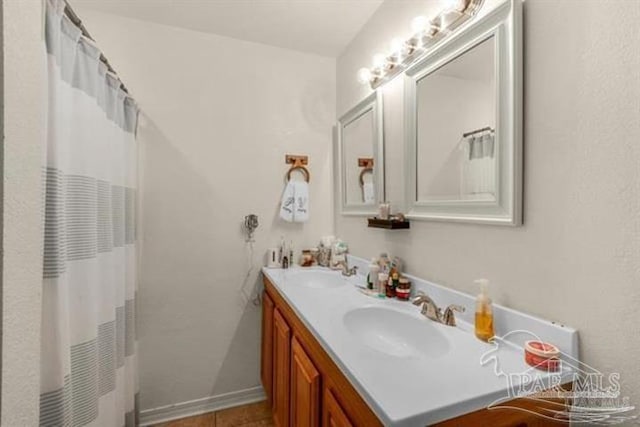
<point>266,368</point>
<point>281,369</point>
<point>332,413</point>
<point>305,388</point>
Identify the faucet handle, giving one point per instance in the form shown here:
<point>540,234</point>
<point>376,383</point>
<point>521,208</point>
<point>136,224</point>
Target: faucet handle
<point>346,271</point>
<point>448,317</point>
<point>419,298</point>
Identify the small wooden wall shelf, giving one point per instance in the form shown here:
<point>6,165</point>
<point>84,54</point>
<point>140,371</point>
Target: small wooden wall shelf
<point>388,224</point>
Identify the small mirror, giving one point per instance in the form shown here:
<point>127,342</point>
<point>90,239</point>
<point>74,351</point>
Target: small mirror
<point>464,144</point>
<point>360,157</point>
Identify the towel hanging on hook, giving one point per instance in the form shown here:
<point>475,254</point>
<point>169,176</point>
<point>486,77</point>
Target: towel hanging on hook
<point>368,188</point>
<point>294,206</point>
<point>367,166</point>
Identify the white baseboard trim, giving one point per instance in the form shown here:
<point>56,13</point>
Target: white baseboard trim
<point>201,406</point>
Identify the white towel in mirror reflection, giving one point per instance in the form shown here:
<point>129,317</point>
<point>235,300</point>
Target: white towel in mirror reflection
<point>478,167</point>
<point>369,193</point>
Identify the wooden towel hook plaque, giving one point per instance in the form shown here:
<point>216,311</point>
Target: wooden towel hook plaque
<point>365,162</point>
<point>297,163</point>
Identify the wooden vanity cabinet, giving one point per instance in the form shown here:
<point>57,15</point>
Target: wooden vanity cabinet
<point>266,365</point>
<point>281,369</point>
<point>332,413</point>
<point>307,389</point>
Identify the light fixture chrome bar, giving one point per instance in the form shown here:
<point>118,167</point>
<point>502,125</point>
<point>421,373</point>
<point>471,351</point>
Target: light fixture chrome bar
<point>73,17</point>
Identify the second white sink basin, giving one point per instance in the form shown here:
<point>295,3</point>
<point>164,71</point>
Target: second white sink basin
<point>396,333</point>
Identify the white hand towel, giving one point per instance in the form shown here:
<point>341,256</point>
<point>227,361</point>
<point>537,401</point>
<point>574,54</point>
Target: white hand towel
<point>287,206</point>
<point>301,211</point>
<point>369,193</point>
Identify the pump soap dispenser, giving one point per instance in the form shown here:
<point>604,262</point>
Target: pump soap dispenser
<point>484,312</point>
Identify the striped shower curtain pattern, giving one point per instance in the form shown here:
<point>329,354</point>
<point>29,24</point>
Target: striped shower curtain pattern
<point>88,353</point>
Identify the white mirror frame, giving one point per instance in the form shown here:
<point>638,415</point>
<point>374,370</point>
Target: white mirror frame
<point>371,103</point>
<point>504,24</point>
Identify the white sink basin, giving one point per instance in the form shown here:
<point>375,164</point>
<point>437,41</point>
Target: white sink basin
<point>317,279</point>
<point>396,333</point>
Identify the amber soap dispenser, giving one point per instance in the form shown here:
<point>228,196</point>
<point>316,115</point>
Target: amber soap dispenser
<point>484,312</point>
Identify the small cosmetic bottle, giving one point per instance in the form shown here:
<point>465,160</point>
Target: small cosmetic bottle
<point>383,279</point>
<point>404,289</point>
<point>384,210</point>
<point>392,284</point>
<point>372,278</point>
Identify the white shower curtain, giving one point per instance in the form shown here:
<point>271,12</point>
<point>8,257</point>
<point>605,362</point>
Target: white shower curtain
<point>88,367</point>
<point>478,167</point>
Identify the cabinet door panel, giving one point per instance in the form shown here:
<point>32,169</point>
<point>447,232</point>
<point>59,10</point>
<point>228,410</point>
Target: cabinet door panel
<point>266,369</point>
<point>281,369</point>
<point>332,413</point>
<point>305,388</point>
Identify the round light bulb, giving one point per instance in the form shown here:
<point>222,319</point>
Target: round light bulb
<point>397,45</point>
<point>452,4</point>
<point>438,24</point>
<point>379,60</point>
<point>364,75</point>
<point>419,24</point>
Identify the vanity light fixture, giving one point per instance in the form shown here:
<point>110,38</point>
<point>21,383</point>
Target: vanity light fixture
<point>425,34</point>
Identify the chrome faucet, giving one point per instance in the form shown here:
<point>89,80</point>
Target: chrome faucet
<point>346,271</point>
<point>429,307</point>
<point>344,268</point>
<point>431,311</point>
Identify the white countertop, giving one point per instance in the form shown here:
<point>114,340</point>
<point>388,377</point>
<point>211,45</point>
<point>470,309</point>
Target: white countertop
<point>413,391</point>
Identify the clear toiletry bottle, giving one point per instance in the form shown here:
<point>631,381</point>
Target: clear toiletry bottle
<point>291,259</point>
<point>384,263</point>
<point>281,253</point>
<point>484,312</point>
<point>285,254</point>
<point>372,278</point>
<point>383,278</point>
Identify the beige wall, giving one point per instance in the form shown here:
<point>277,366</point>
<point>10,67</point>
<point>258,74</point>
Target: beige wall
<point>24,97</point>
<point>577,257</point>
<point>219,115</point>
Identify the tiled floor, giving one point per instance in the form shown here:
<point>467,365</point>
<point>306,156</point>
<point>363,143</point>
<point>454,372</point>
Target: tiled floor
<point>253,415</point>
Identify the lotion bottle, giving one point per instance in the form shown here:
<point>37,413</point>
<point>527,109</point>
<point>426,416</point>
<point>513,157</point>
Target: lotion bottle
<point>374,270</point>
<point>484,312</point>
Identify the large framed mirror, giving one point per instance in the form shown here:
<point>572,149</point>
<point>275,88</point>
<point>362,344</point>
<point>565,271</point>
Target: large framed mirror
<point>463,143</point>
<point>360,160</point>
